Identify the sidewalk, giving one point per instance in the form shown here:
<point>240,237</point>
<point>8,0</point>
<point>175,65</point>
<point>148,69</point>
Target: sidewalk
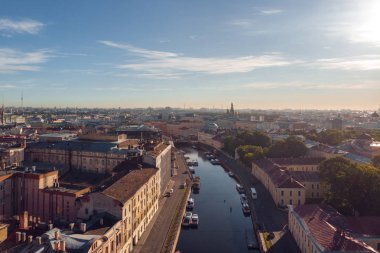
<point>156,232</point>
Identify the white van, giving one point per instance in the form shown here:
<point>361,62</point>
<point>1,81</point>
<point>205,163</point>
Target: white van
<point>253,193</point>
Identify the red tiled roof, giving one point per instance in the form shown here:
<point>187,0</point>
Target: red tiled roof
<point>330,228</point>
<point>298,161</point>
<point>306,176</point>
<point>123,189</point>
<point>277,174</point>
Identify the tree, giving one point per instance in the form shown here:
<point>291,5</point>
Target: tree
<point>249,153</point>
<point>332,137</point>
<point>353,188</point>
<point>291,147</point>
<point>376,161</point>
<point>255,138</point>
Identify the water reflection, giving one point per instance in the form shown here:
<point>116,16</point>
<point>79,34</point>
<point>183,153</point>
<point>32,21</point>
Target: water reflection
<point>222,224</point>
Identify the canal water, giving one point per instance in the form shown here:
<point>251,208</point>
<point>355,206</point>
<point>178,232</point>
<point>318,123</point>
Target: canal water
<point>222,224</point>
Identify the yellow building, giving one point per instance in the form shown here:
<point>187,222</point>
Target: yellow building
<point>133,199</point>
<point>284,189</point>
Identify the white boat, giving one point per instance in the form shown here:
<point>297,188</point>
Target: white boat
<point>239,188</point>
<point>243,199</point>
<point>187,219</point>
<point>190,204</point>
<point>192,170</point>
<point>194,220</point>
<point>246,209</point>
<point>231,174</point>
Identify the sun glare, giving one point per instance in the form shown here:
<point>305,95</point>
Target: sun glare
<point>367,28</point>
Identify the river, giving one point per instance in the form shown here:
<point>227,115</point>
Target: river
<point>222,224</point>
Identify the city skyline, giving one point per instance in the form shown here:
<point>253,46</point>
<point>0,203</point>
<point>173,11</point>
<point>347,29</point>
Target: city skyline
<point>272,55</point>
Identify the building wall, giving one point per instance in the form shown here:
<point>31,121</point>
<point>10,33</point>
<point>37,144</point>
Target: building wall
<point>300,233</point>
<point>281,196</point>
<point>135,214</point>
<point>289,196</point>
<point>162,161</point>
<point>3,232</point>
<point>314,190</point>
<point>207,139</point>
<point>6,199</point>
<point>35,193</point>
<point>96,162</point>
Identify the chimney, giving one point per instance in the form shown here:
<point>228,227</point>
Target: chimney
<point>57,234</point>
<point>62,246</point>
<point>83,227</point>
<point>23,237</point>
<point>39,240</point>
<point>30,239</point>
<point>18,236</point>
<point>56,245</point>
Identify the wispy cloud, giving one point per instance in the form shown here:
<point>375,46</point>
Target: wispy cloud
<point>139,51</point>
<point>8,27</point>
<point>7,86</point>
<point>271,11</point>
<point>313,86</point>
<point>241,23</point>
<point>13,61</point>
<point>359,63</point>
<point>160,64</point>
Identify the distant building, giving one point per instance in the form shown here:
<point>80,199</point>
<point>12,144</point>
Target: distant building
<point>210,140</point>
<point>366,146</point>
<point>334,123</point>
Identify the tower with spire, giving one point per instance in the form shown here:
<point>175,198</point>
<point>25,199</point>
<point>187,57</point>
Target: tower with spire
<point>2,116</point>
<point>232,111</point>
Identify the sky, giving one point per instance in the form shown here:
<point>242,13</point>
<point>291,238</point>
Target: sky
<point>258,54</point>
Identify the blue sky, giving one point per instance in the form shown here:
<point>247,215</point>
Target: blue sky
<point>259,54</point>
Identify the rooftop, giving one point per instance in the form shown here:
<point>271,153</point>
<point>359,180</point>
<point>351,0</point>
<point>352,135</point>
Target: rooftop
<point>127,186</point>
<point>298,161</point>
<point>305,176</point>
<point>158,149</point>
<point>80,145</point>
<point>329,228</point>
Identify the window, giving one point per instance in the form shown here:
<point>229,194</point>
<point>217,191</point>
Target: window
<point>299,193</point>
<point>317,186</point>
<point>291,202</point>
<point>282,193</point>
<point>290,193</point>
<point>312,186</point>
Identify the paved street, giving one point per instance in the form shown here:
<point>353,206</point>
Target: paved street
<point>268,215</point>
<point>155,234</point>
